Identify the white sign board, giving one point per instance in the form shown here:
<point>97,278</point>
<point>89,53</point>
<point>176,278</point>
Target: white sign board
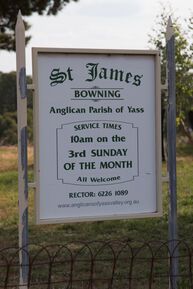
<point>97,130</point>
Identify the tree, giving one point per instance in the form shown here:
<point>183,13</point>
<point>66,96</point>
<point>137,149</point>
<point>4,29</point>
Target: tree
<point>8,93</point>
<point>8,98</point>
<point>8,109</point>
<point>184,66</point>
<point>8,127</point>
<point>8,14</point>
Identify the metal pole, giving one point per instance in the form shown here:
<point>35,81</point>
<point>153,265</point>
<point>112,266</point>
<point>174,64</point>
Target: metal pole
<point>171,128</point>
<point>22,151</point>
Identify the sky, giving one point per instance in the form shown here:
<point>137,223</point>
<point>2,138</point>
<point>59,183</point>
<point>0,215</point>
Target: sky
<point>111,24</point>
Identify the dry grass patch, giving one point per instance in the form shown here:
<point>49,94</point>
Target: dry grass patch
<point>9,157</point>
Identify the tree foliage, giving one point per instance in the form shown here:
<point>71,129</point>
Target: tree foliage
<point>8,14</point>
<point>8,127</point>
<point>8,109</point>
<point>8,93</point>
<point>184,67</point>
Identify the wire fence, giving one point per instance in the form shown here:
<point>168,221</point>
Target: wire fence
<point>98,265</point>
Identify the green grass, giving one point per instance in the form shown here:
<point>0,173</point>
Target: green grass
<point>134,230</point>
<point>139,229</point>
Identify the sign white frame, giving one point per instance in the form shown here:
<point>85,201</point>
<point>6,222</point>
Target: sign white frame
<point>52,52</point>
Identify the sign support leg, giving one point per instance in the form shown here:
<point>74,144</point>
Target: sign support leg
<point>171,128</point>
<point>22,152</point>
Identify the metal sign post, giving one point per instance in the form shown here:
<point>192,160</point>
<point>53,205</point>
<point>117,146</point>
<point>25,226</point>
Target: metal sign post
<point>171,129</point>
<point>22,151</point>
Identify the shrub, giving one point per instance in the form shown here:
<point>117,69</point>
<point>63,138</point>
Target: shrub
<point>8,128</point>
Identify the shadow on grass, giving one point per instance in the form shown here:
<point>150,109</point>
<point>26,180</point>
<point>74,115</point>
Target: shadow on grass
<point>120,262</point>
<point>184,149</point>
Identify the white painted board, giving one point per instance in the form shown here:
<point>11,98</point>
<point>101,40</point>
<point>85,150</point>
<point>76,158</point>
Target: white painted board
<point>97,128</point>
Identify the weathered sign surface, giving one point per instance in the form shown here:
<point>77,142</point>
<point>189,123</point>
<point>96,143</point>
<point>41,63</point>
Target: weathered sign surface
<point>97,128</point>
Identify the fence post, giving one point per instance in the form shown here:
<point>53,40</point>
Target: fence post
<point>171,138</point>
<point>22,151</point>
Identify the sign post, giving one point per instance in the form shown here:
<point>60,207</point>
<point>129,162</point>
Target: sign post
<point>98,135</point>
<point>171,128</point>
<point>22,151</point>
